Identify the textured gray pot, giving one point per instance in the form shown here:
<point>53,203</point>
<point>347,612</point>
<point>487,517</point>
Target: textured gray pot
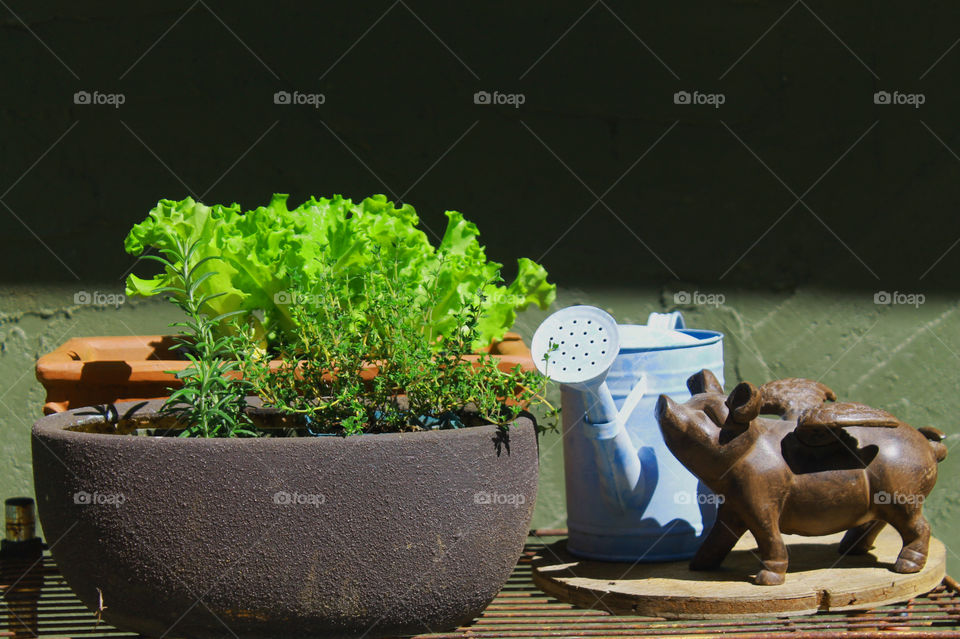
<point>370,535</point>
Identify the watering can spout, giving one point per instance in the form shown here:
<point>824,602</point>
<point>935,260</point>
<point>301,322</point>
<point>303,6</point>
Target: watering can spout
<point>624,468</point>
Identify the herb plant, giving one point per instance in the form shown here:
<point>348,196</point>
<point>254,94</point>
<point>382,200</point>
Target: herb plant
<point>361,363</point>
<point>343,315</point>
<point>211,402</point>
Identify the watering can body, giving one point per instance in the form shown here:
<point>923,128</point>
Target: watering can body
<point>663,516</point>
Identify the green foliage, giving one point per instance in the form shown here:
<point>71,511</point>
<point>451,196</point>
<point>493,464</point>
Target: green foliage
<point>212,401</point>
<point>268,252</point>
<point>327,361</point>
<point>374,328</point>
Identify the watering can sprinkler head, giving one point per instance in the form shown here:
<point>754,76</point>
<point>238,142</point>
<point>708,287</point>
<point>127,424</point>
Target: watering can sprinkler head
<point>576,347</point>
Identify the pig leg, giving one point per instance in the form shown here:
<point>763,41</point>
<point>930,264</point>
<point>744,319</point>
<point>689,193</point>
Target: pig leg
<point>859,540</point>
<point>726,531</point>
<point>773,552</point>
<point>915,532</point>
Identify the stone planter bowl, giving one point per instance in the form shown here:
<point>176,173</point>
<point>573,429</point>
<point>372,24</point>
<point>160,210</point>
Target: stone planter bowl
<point>365,536</point>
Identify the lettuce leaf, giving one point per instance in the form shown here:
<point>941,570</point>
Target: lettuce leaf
<point>270,252</point>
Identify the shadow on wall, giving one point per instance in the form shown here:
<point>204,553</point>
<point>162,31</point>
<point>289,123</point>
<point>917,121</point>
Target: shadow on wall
<point>618,143</point>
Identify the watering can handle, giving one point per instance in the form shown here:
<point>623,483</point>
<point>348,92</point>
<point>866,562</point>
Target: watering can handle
<point>666,321</point>
<point>633,398</point>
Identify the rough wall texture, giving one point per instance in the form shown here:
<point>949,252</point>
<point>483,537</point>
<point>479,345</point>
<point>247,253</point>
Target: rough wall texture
<point>798,198</point>
<point>34,320</point>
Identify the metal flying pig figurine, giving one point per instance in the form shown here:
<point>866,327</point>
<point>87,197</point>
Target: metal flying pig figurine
<point>821,468</point>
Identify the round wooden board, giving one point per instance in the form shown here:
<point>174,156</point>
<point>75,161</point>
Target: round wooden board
<point>818,579</point>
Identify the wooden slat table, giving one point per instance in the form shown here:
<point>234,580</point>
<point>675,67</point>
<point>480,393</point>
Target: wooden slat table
<point>43,605</point>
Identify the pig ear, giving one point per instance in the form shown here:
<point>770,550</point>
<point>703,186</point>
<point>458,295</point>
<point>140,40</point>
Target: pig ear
<point>744,403</point>
<point>704,382</point>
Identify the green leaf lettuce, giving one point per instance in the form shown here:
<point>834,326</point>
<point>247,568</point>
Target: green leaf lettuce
<point>271,253</point>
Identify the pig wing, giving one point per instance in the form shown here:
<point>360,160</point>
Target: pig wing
<point>824,424</point>
<point>792,396</point>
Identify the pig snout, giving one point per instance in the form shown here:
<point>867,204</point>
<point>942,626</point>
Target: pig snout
<point>663,404</point>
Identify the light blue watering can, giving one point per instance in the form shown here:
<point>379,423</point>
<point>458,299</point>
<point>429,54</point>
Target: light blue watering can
<point>628,498</point>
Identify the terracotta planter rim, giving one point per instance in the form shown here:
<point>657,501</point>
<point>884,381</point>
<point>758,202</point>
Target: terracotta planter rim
<point>86,371</point>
